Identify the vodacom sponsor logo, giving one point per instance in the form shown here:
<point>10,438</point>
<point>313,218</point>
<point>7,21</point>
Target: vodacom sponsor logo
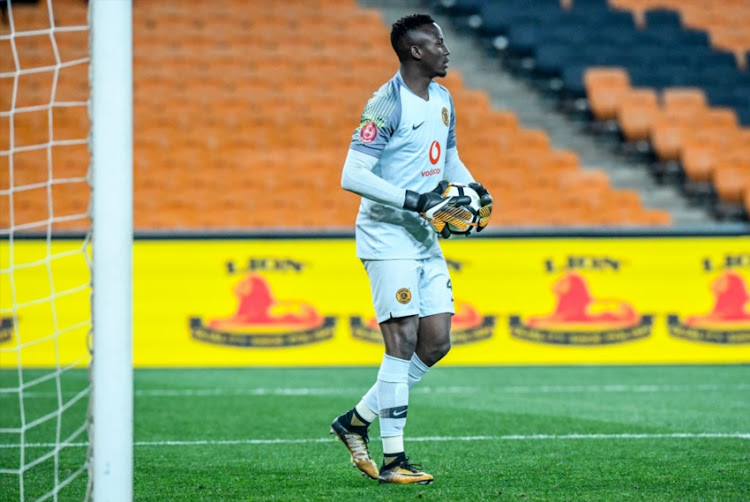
<point>434,152</point>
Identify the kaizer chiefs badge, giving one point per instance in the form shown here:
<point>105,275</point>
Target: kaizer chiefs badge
<point>403,295</point>
<point>445,116</point>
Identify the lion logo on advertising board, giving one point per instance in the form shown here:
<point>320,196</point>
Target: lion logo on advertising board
<point>579,318</point>
<point>728,322</point>
<point>261,320</point>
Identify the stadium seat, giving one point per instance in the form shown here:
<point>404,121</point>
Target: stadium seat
<point>698,158</point>
<point>719,119</point>
<point>731,181</point>
<point>551,57</point>
<point>587,181</point>
<point>573,84</point>
<point>667,129</point>
<point>635,113</point>
<point>558,162</point>
<point>683,98</point>
<point>605,87</point>
<point>662,20</point>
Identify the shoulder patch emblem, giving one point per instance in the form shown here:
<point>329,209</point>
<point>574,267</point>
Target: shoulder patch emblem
<point>368,132</point>
<point>403,295</point>
<point>445,116</point>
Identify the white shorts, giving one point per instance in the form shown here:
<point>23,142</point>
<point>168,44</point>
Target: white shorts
<point>403,288</point>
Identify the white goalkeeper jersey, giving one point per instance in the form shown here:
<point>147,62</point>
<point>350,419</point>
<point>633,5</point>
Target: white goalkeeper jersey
<point>410,138</point>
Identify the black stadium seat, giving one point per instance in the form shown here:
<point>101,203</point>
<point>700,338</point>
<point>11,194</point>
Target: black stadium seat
<point>663,19</point>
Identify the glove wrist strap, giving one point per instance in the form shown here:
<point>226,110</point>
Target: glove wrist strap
<point>411,200</point>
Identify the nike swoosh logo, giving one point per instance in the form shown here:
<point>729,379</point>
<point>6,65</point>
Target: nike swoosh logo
<point>417,126</point>
<point>399,413</point>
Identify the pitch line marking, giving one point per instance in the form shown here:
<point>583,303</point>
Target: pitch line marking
<point>543,389</point>
<point>424,439</point>
<point>327,391</point>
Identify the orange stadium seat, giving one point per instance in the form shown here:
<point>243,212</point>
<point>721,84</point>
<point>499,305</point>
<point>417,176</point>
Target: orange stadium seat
<point>733,39</point>
<point>34,89</point>
<point>605,88</point>
<point>683,98</point>
<point>713,138</point>
<point>29,19</point>
<point>698,158</point>
<point>732,181</point>
<point>531,141</point>
<point>553,163</point>
<point>667,130</point>
<point>718,119</point>
<point>672,125</point>
<point>589,181</point>
<point>30,167</point>
<point>636,112</point>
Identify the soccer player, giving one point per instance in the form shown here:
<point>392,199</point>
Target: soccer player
<point>400,159</point>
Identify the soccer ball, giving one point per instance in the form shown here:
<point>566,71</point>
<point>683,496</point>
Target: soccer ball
<point>459,189</point>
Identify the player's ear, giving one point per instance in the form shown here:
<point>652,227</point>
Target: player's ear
<point>415,51</point>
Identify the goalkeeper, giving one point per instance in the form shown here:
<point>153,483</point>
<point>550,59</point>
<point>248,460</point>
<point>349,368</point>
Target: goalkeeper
<point>400,159</point>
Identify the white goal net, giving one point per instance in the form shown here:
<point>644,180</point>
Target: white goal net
<point>45,272</point>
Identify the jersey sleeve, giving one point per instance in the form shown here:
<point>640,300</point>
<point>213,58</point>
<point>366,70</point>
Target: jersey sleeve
<point>380,120</point>
<point>357,177</point>
<point>451,143</point>
<point>455,170</point>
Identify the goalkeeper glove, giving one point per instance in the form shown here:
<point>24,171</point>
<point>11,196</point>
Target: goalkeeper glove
<point>485,205</point>
<point>439,210</point>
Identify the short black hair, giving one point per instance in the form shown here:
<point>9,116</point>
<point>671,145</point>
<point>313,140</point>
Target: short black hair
<point>401,29</point>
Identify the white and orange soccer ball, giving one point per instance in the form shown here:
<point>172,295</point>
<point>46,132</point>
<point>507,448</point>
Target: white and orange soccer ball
<point>464,227</point>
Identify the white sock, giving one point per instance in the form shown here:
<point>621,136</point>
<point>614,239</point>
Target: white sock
<point>393,398</point>
<point>365,412</point>
<point>370,400</point>
<point>368,407</point>
<point>417,369</point>
<point>393,445</point>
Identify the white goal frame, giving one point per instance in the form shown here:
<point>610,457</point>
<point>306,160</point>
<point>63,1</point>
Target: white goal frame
<point>111,78</point>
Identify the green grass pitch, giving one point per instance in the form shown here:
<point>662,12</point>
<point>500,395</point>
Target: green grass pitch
<point>650,433</point>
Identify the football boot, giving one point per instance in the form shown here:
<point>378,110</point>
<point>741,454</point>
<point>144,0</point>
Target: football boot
<point>355,439</point>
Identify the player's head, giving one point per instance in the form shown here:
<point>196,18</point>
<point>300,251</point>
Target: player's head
<point>417,39</point>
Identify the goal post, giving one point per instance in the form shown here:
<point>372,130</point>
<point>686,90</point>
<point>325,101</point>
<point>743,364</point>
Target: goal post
<point>66,226</point>
<point>112,221</point>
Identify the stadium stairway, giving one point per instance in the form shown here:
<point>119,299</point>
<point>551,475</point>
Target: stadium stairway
<point>508,92</point>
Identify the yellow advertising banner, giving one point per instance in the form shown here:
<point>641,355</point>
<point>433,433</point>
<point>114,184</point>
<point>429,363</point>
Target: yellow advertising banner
<point>306,302</point>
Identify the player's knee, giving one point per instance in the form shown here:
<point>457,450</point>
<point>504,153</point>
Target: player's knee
<point>437,351</point>
<point>401,347</point>
<point>444,348</point>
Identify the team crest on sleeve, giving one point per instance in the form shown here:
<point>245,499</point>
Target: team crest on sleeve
<point>445,116</point>
<point>368,132</point>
